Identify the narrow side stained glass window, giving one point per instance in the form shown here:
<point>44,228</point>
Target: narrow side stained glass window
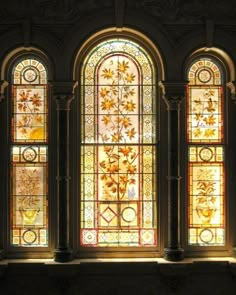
<point>206,153</point>
<point>118,147</point>
<point>29,155</point>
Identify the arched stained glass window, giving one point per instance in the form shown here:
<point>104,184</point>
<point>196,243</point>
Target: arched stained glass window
<point>206,153</point>
<point>29,153</point>
<point>118,147</point>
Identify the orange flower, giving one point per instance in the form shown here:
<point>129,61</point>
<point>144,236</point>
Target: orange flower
<point>129,77</point>
<point>116,137</point>
<point>131,169</point>
<point>38,118</point>
<point>209,133</point>
<point>106,119</point>
<point>108,73</point>
<point>36,100</point>
<point>125,150</point>
<point>123,66</point>
<point>131,133</point>
<point>104,92</point>
<point>129,106</point>
<point>107,104</point>
<point>107,149</point>
<point>103,164</point>
<point>126,122</point>
<point>124,179</point>
<point>197,132</point>
<point>113,168</point>
<point>24,96</point>
<point>211,120</point>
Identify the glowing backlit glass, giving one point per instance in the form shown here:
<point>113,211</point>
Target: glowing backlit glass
<point>29,155</point>
<point>205,136</point>
<point>118,153</point>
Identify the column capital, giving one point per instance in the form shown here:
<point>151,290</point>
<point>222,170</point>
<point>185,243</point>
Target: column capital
<point>232,87</point>
<point>3,85</point>
<point>173,92</point>
<point>63,93</point>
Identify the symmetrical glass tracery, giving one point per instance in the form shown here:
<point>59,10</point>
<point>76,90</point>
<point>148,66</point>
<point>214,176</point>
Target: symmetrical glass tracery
<point>118,147</point>
<point>29,155</point>
<point>206,163</point>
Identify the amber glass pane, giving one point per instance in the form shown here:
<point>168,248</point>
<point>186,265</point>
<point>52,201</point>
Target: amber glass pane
<point>118,151</point>
<point>206,180</point>
<point>205,117</point>
<point>29,195</point>
<point>29,113</point>
<point>29,155</point>
<point>206,195</point>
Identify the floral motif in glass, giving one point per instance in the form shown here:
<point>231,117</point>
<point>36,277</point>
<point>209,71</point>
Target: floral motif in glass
<point>118,153</point>
<point>205,131</point>
<point>29,155</point>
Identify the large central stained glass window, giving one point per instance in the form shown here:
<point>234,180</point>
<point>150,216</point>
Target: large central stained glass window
<point>118,147</point>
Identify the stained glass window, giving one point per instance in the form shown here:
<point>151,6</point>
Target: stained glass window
<point>29,155</point>
<point>205,137</point>
<point>118,153</point>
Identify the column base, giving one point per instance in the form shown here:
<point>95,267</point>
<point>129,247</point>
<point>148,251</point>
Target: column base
<point>174,254</point>
<point>63,255</point>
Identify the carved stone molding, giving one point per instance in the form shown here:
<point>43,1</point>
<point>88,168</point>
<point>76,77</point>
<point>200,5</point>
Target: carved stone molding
<point>173,93</point>
<point>181,11</point>
<point>63,93</point>
<point>3,84</point>
<point>232,86</point>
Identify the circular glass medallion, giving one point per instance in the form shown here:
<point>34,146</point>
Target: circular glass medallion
<point>204,76</point>
<point>128,214</point>
<point>30,75</point>
<point>206,154</point>
<point>29,236</point>
<point>29,154</point>
<point>206,236</point>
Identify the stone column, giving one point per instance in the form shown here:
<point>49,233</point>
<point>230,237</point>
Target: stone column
<point>63,93</point>
<point>173,94</point>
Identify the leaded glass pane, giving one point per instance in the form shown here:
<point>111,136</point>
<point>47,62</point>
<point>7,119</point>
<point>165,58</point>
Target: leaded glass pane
<point>206,179</point>
<point>29,113</point>
<point>29,195</point>
<point>118,192</point>
<point>29,155</point>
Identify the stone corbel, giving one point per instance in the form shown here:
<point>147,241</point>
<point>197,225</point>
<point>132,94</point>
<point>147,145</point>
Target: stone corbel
<point>4,85</point>
<point>173,93</point>
<point>232,88</point>
<point>63,93</point>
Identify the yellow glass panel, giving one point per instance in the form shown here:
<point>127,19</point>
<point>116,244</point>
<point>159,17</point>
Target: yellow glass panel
<point>206,179</point>
<point>205,122</point>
